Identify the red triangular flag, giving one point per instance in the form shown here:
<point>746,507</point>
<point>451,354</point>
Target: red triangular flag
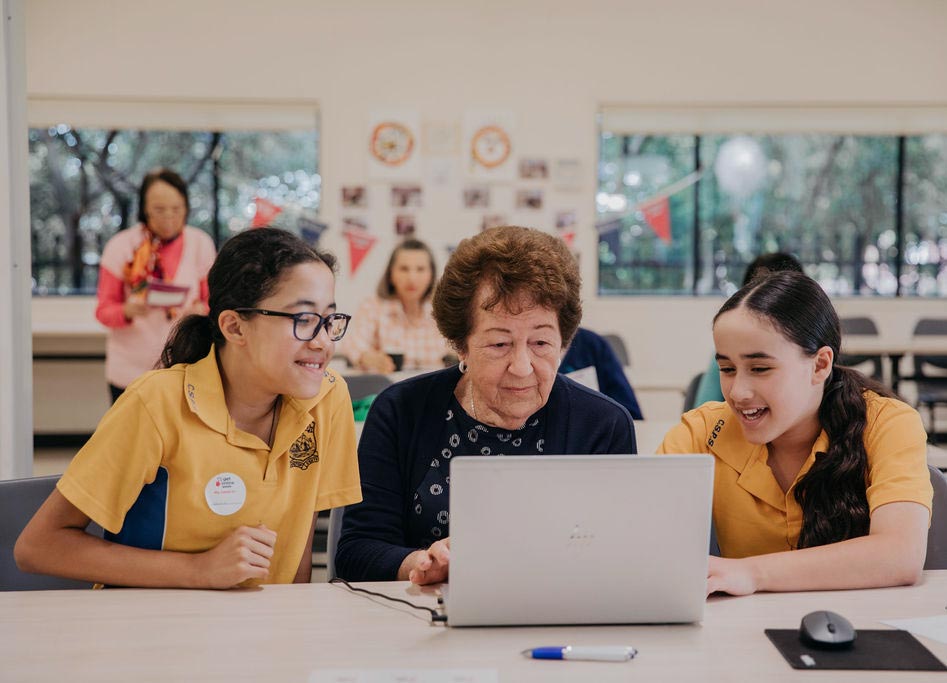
<point>568,237</point>
<point>657,214</point>
<point>266,211</point>
<point>360,243</point>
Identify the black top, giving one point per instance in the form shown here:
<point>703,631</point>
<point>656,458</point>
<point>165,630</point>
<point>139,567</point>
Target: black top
<point>407,429</point>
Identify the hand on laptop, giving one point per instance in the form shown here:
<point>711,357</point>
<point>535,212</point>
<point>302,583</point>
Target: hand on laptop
<point>427,566</point>
<point>730,576</point>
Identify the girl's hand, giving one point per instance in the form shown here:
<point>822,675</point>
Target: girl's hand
<point>376,361</point>
<point>244,554</point>
<point>730,576</point>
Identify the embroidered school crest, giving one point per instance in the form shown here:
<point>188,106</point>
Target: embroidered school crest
<point>303,451</point>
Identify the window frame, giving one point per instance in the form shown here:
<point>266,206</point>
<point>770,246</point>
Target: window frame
<point>899,122</point>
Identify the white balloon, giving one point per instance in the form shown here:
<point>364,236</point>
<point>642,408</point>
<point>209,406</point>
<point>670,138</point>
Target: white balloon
<point>740,166</point>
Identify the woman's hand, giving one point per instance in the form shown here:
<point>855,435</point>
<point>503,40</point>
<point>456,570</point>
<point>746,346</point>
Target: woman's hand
<point>730,576</point>
<point>132,308</point>
<point>376,361</point>
<point>244,554</point>
<point>427,566</point>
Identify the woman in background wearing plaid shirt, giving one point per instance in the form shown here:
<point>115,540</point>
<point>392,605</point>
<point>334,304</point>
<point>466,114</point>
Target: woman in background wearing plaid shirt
<point>398,321</point>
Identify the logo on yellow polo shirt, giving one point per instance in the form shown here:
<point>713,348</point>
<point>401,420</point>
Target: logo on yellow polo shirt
<point>715,433</point>
<point>303,451</point>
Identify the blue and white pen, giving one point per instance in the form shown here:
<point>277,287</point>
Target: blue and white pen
<point>590,653</point>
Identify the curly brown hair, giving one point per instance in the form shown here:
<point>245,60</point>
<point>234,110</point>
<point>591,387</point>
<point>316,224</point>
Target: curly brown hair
<point>519,268</point>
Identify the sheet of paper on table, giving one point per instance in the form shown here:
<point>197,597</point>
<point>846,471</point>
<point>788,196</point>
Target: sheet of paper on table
<point>934,627</point>
<point>404,676</point>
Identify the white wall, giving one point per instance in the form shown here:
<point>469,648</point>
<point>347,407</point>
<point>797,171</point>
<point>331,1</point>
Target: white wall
<point>553,64</point>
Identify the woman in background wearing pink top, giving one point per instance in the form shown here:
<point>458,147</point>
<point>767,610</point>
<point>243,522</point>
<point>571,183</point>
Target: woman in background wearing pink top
<point>161,249</point>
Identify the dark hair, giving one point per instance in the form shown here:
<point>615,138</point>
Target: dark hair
<point>386,289</point>
<point>247,270</point>
<point>514,264</point>
<point>165,175</point>
<point>832,493</point>
<point>766,264</point>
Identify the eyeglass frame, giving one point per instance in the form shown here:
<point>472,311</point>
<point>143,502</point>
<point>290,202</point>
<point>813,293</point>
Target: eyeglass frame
<point>324,321</point>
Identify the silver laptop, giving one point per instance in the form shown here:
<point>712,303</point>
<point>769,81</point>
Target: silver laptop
<point>593,539</point>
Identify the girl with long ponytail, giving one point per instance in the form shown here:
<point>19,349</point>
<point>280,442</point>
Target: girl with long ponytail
<point>821,473</point>
<point>208,473</point>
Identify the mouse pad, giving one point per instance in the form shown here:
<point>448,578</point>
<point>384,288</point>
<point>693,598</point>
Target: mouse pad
<point>880,650</point>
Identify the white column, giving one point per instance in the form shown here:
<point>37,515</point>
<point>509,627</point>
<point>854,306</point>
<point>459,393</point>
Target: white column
<point>16,366</point>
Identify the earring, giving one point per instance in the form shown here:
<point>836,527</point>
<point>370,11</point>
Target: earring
<point>462,366</point>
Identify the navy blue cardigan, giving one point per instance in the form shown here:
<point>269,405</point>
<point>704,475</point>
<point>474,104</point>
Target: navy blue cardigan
<point>400,440</point>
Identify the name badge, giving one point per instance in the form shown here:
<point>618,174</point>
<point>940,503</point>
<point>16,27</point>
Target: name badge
<point>225,493</point>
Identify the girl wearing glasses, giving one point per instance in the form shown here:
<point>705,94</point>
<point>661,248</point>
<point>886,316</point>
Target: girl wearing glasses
<point>209,473</point>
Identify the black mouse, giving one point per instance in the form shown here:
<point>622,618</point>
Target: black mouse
<point>827,630</point>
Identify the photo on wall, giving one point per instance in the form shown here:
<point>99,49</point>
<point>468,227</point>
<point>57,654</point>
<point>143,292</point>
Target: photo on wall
<point>354,196</point>
<point>493,221</point>
<point>535,169</point>
<point>405,224</point>
<point>403,196</point>
<point>529,199</point>
<point>477,197</point>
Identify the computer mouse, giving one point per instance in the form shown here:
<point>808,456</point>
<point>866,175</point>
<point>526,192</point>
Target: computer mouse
<point>827,630</point>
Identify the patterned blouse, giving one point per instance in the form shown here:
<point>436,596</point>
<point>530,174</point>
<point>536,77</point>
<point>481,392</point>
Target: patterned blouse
<point>463,435</point>
<point>381,325</point>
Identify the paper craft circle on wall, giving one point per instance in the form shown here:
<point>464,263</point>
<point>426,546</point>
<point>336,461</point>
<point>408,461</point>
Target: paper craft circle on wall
<point>490,146</point>
<point>392,143</point>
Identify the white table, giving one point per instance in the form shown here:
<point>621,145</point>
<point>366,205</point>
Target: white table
<point>895,351</point>
<point>282,633</point>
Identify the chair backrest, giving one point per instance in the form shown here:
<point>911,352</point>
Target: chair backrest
<point>859,325</point>
<point>361,386</point>
<point>930,326</point>
<point>19,500</point>
<point>690,394</point>
<point>618,346</point>
<point>937,535</point>
<point>332,540</point>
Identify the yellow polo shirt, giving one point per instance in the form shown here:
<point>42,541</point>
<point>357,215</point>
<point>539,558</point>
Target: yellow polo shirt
<point>167,469</point>
<point>753,515</point>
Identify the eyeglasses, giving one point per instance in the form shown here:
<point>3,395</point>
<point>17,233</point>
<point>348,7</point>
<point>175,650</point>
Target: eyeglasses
<point>306,326</point>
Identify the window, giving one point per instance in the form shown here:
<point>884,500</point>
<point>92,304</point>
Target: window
<point>84,184</point>
<point>684,214</point>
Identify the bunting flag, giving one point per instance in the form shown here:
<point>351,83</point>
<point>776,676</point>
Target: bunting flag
<point>568,237</point>
<point>657,214</point>
<point>656,211</point>
<point>360,243</point>
<point>266,211</point>
<point>311,230</point>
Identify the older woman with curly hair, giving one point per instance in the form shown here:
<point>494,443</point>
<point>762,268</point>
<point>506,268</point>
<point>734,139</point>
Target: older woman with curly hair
<point>508,303</point>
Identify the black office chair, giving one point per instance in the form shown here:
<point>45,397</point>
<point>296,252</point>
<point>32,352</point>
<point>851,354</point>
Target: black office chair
<point>332,540</point>
<point>19,500</point>
<point>861,326</point>
<point>690,394</point>
<point>618,346</point>
<point>937,534</point>
<point>361,386</point>
<point>930,372</point>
